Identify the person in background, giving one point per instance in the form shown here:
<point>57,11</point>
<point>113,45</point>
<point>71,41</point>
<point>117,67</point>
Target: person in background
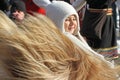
<point>80,12</point>
<point>18,10</point>
<point>98,27</point>
<point>63,15</point>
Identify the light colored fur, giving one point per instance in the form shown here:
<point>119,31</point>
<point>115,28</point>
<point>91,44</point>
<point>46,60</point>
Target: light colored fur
<point>37,50</point>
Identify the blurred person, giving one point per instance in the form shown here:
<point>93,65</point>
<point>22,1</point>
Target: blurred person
<point>18,10</point>
<point>98,27</point>
<point>63,15</point>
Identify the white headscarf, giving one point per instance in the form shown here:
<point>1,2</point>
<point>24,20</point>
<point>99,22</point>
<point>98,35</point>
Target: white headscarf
<point>58,11</point>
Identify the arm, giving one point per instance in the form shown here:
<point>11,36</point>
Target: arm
<point>78,4</point>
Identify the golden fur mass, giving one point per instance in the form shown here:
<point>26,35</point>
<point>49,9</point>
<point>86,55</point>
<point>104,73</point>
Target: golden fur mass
<point>37,50</point>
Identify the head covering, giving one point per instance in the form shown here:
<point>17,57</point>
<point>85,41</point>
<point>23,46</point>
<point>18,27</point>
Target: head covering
<point>18,5</point>
<point>58,11</point>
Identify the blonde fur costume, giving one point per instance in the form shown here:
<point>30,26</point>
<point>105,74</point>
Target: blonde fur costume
<point>37,50</point>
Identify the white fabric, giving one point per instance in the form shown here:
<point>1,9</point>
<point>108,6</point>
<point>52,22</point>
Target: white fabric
<point>87,48</point>
<point>118,4</point>
<point>58,11</point>
<point>41,3</point>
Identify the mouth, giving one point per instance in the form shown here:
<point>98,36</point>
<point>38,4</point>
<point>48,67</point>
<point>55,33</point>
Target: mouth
<point>72,27</point>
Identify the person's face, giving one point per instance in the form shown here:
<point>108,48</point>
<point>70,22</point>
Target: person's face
<point>70,24</point>
<point>18,15</point>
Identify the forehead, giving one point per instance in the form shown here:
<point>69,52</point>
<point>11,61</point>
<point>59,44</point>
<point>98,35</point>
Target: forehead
<point>72,16</point>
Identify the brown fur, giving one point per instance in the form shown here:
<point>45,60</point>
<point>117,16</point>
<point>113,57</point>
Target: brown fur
<point>37,50</point>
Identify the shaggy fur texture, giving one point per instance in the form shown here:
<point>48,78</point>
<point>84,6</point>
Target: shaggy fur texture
<point>37,50</point>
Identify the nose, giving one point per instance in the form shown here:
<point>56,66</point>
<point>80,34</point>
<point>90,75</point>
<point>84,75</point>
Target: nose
<point>71,21</point>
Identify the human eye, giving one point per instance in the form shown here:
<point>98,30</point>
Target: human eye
<point>67,19</point>
<point>74,19</point>
<point>19,11</point>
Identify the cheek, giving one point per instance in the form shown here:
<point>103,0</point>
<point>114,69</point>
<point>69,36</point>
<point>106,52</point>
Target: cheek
<point>21,14</point>
<point>66,25</point>
<point>76,24</point>
<point>14,14</point>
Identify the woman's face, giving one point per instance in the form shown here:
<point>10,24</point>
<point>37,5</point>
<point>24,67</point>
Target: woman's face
<point>71,24</point>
